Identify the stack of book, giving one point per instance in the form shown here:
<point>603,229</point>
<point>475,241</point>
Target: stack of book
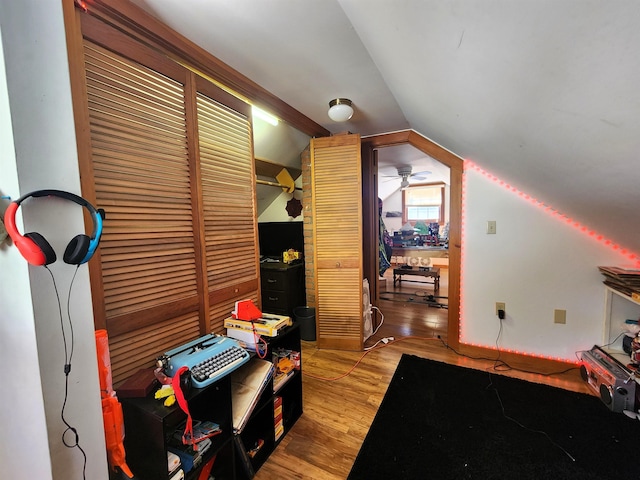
<point>268,325</point>
<point>183,446</point>
<point>278,424</point>
<point>624,280</point>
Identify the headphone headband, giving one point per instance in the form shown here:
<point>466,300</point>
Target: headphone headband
<point>36,250</point>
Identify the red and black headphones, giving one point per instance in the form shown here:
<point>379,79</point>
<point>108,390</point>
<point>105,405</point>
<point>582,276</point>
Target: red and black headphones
<point>36,249</point>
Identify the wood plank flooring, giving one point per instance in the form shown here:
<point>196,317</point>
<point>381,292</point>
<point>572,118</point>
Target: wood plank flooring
<point>343,390</point>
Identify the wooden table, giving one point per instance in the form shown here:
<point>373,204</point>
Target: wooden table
<point>432,272</point>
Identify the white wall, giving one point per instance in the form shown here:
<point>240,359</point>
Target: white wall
<point>23,408</point>
<point>38,122</point>
<point>535,263</point>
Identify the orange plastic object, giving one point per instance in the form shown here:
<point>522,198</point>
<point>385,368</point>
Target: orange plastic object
<point>111,408</point>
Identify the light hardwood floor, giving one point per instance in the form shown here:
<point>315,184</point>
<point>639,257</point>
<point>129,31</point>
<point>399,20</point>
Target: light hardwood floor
<point>343,390</point>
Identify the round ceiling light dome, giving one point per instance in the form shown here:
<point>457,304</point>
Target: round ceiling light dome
<point>340,109</point>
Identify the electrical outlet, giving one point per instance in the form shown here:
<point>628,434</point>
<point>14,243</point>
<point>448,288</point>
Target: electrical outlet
<point>560,316</point>
<point>491,226</point>
<point>500,306</point>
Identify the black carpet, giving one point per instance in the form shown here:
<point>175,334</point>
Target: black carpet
<point>439,421</point>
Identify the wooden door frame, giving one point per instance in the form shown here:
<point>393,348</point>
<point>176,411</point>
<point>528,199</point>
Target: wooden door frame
<point>370,219</point>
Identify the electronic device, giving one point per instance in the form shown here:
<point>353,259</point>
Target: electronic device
<point>614,384</point>
<point>277,237</point>
<point>208,359</point>
<point>36,249</point>
<point>366,310</point>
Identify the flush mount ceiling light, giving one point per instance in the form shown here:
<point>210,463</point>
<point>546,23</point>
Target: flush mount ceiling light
<point>340,109</point>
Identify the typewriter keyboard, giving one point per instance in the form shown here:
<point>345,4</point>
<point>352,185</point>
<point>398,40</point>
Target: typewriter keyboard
<point>210,370</point>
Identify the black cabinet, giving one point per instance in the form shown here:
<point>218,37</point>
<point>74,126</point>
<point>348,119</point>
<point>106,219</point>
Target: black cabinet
<point>149,426</point>
<point>277,410</point>
<point>282,286</point>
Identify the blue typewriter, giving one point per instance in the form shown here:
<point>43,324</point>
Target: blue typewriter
<point>208,358</point>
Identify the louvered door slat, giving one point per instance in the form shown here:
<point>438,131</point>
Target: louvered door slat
<point>138,130</point>
<point>179,241</point>
<point>228,193</point>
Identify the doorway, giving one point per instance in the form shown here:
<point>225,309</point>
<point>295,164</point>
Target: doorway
<point>371,147</point>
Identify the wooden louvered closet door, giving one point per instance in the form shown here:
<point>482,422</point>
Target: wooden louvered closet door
<point>228,204</point>
<point>171,163</point>
<point>337,229</point>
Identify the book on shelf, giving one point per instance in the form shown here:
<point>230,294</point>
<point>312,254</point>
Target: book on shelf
<point>190,458</point>
<point>201,430</point>
<point>280,379</point>
<point>247,384</point>
<point>624,280</point>
<point>268,325</point>
<point>278,424</point>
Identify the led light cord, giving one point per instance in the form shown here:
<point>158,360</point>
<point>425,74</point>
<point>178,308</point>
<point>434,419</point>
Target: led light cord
<point>506,366</point>
<point>68,355</point>
<point>524,427</point>
<point>498,364</point>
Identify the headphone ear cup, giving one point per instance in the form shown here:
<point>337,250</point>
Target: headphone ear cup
<point>44,246</point>
<point>76,250</point>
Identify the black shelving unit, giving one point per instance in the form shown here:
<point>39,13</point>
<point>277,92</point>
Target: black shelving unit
<point>259,434</point>
<point>149,425</point>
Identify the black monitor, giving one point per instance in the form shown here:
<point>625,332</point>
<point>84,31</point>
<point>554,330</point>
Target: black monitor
<point>278,237</point>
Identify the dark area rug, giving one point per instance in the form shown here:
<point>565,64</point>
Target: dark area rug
<point>440,421</point>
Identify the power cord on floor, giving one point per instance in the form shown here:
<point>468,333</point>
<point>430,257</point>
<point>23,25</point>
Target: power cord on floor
<point>511,419</point>
<point>378,327</point>
<point>500,365</point>
<point>385,342</point>
<point>503,363</point>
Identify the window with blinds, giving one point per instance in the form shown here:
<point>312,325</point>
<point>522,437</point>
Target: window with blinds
<point>172,166</point>
<point>423,203</point>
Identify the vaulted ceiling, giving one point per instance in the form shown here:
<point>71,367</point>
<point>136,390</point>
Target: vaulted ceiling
<point>544,94</point>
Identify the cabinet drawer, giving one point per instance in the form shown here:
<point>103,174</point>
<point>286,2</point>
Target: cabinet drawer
<point>271,281</point>
<point>275,301</point>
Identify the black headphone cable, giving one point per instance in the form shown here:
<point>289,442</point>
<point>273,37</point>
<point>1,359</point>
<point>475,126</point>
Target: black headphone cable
<point>68,355</point>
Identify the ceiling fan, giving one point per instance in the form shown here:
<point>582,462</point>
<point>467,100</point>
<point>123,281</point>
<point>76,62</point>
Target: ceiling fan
<point>405,174</point>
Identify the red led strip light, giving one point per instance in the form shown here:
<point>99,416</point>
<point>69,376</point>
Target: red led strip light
<point>554,213</point>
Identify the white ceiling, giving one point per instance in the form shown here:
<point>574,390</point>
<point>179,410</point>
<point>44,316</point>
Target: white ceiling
<point>544,94</point>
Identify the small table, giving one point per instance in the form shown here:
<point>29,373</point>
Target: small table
<point>431,272</point>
